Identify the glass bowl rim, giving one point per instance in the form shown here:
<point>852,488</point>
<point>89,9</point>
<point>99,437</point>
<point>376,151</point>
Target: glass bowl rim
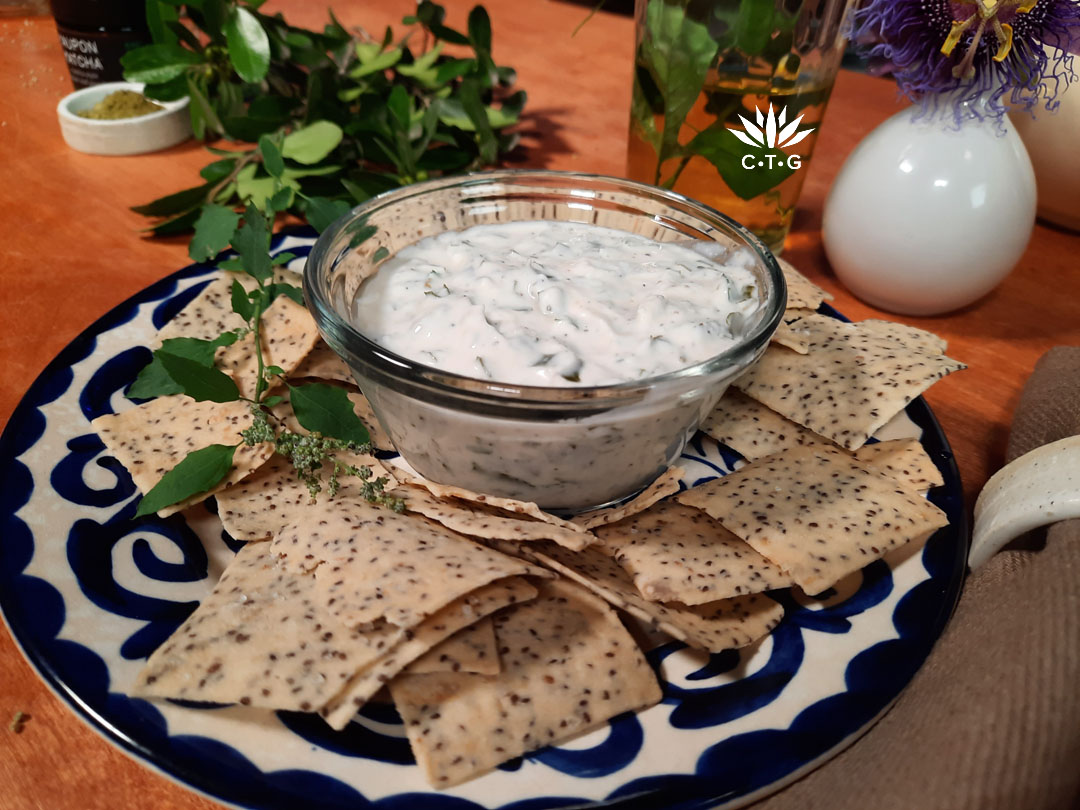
<point>512,393</point>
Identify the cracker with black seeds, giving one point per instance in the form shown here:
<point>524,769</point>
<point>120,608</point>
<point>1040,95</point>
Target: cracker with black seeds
<point>677,553</point>
<point>152,438</point>
<point>324,363</point>
<point>210,313</point>
<point>754,430</point>
<point>568,666</point>
<point>802,293</point>
<point>470,650</point>
<point>287,332</point>
<point>435,629</point>
<point>713,626</point>
<point>506,504</point>
<point>853,380</point>
<point>261,638</point>
<point>478,520</point>
<point>904,460</point>
<point>816,512</point>
<point>920,339</point>
<point>372,564</point>
<point>790,332</point>
<point>667,483</point>
<point>272,497</point>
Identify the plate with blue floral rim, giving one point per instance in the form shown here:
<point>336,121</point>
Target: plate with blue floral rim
<point>88,593</point>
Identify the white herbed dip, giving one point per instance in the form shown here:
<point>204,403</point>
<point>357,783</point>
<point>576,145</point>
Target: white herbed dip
<point>557,303</point>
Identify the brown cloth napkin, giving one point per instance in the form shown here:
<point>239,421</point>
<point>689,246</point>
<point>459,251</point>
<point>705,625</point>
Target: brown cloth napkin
<point>992,720</point>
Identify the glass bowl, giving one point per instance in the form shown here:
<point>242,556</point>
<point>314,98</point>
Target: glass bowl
<point>568,449</point>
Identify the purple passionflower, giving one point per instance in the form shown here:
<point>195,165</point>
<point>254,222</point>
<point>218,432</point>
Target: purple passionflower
<point>967,50</point>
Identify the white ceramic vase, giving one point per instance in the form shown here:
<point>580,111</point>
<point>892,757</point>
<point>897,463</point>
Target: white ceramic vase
<point>927,216</point>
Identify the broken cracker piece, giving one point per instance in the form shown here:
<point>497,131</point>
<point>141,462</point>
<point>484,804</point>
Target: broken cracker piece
<point>713,626</point>
<point>568,665</point>
<point>458,614</point>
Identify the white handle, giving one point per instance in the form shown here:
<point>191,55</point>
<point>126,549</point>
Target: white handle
<point>1039,488</point>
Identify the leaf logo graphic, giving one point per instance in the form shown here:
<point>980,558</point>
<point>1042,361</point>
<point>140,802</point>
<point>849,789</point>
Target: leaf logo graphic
<point>771,132</point>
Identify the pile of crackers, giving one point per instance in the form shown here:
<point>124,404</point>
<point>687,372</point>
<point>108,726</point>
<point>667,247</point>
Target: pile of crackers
<point>497,628</point>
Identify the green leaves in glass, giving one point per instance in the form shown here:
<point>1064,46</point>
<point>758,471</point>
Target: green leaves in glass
<point>679,45</point>
<point>723,151</point>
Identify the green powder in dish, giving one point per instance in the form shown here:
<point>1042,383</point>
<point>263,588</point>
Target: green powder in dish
<point>120,104</point>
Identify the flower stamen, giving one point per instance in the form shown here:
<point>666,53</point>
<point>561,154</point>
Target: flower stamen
<point>988,13</point>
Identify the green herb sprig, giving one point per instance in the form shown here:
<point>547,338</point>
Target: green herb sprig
<point>186,366</point>
<point>335,116</point>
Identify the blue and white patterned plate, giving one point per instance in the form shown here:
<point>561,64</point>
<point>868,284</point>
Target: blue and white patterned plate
<point>88,593</point>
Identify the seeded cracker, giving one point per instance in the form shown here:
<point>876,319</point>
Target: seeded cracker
<point>568,665</point>
<point>262,504</point>
<point>506,504</point>
<point>152,438</point>
<point>210,313</point>
<point>677,553</point>
<point>753,430</point>
<point>816,512</point>
<point>666,484</point>
<point>261,639</point>
<point>288,333</point>
<point>904,460</point>
<point>714,626</point>
<point>458,614</point>
<point>479,521</point>
<point>470,650</point>
<point>802,293</point>
<point>854,379</point>
<point>325,364</point>
<point>790,333</point>
<point>372,564</point>
<point>919,339</point>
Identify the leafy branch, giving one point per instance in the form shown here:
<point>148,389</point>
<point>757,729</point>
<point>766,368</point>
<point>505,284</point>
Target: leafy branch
<point>186,366</point>
<point>331,117</point>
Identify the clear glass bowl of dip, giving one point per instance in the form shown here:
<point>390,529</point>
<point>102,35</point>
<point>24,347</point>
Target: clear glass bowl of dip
<point>569,449</point>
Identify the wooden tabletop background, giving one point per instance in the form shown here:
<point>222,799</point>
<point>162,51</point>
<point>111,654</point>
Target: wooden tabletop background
<point>70,250</point>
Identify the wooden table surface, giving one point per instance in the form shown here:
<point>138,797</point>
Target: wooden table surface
<point>71,250</point>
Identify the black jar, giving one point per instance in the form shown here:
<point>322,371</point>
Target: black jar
<point>96,33</point>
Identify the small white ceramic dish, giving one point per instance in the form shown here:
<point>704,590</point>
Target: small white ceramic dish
<point>123,136</point>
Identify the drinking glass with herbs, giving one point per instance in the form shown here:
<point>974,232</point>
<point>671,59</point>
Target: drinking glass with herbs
<point>729,96</point>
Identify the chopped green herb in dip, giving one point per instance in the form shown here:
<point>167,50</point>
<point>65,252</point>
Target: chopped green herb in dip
<point>557,303</point>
